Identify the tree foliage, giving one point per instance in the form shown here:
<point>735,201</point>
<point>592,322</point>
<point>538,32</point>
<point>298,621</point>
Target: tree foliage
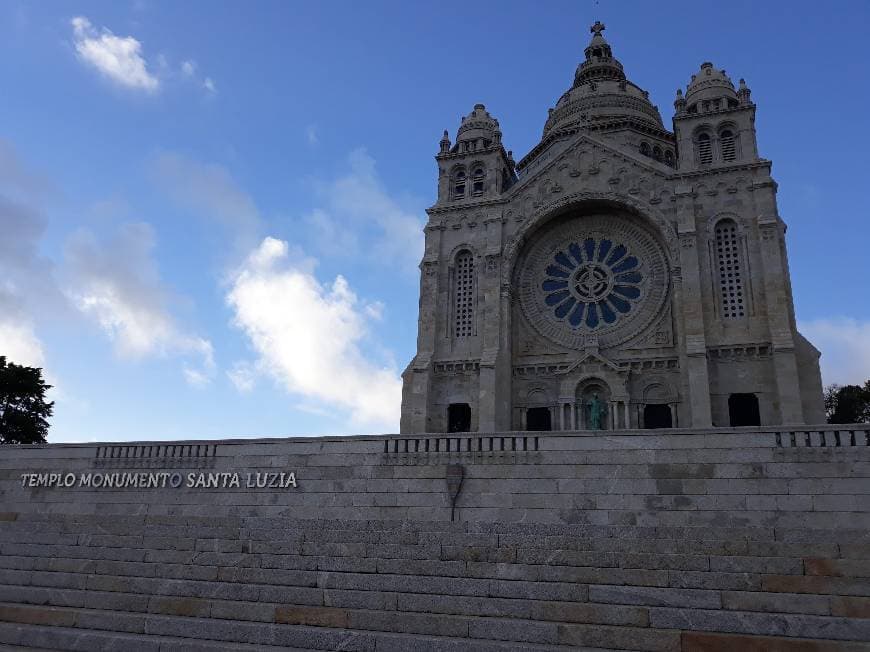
<point>848,403</point>
<point>23,410</point>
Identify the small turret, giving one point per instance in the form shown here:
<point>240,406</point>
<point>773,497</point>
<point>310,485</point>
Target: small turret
<point>476,166</point>
<point>714,124</point>
<point>680,102</point>
<point>743,93</point>
<point>445,143</point>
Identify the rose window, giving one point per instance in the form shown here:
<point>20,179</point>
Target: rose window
<point>592,282</point>
<point>600,277</point>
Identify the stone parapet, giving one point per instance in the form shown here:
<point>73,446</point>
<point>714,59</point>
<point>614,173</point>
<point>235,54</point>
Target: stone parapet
<point>814,476</point>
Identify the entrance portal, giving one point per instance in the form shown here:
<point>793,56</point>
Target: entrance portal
<point>657,415</point>
<point>538,419</point>
<point>743,410</point>
<point>459,417</point>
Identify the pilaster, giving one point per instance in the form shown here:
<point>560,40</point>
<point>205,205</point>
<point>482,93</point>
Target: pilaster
<point>691,305</point>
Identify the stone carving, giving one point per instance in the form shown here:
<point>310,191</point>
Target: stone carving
<point>595,273</point>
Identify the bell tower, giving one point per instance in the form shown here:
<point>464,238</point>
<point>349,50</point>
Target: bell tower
<point>714,125</point>
<point>477,167</point>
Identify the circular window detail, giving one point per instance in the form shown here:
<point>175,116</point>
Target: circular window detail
<point>593,283</point>
<point>592,275</point>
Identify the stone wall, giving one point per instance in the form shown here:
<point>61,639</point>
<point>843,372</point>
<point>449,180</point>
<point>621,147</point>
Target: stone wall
<point>726,477</point>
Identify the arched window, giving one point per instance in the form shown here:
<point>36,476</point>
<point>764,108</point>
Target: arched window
<point>657,153</point>
<point>731,268</point>
<point>463,295</point>
<point>705,149</point>
<point>458,184</point>
<point>644,149</point>
<point>669,157</point>
<point>477,178</point>
<point>729,147</point>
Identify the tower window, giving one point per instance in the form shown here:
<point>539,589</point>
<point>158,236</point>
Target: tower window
<point>463,289</point>
<point>705,149</point>
<point>459,184</point>
<point>477,181</point>
<point>644,149</point>
<point>730,264</point>
<point>729,149</point>
<point>669,157</point>
<point>657,153</point>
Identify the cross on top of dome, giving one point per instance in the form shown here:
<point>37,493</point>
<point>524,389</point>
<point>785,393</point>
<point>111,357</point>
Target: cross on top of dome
<point>597,28</point>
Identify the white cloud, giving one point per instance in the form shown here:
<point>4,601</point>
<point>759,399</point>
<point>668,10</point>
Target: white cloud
<point>209,190</point>
<point>27,287</point>
<point>116,284</point>
<point>19,344</point>
<point>209,85</point>
<point>845,347</point>
<point>188,68</point>
<point>117,57</point>
<point>309,337</point>
<point>243,376</point>
<point>361,218</point>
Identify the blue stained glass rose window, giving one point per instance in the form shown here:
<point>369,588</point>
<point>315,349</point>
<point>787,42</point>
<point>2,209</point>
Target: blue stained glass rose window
<point>592,283</point>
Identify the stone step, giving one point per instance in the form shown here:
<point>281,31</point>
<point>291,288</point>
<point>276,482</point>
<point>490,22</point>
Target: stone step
<point>301,570</point>
<point>293,526</point>
<point>68,638</point>
<point>796,533</point>
<point>147,594</point>
<point>72,574</point>
<point>136,525</point>
<point>447,558</point>
<point>485,546</point>
<point>209,598</point>
<point>346,629</point>
<point>16,636</point>
<point>336,601</point>
<point>660,634</point>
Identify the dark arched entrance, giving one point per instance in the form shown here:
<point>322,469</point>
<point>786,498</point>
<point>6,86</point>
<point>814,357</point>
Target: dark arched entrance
<point>657,415</point>
<point>459,417</point>
<point>538,418</point>
<point>743,410</point>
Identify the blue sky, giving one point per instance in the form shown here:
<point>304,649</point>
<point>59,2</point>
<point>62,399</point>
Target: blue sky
<point>210,213</point>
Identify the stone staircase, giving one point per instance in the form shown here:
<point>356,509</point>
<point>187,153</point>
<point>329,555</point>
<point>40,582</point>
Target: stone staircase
<point>254,583</point>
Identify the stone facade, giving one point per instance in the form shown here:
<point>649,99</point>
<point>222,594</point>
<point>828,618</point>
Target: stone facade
<point>621,275</point>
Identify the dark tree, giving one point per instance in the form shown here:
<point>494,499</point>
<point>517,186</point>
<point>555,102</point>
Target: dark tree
<point>23,410</point>
<point>848,404</point>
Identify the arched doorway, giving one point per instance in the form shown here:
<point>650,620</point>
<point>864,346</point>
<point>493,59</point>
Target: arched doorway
<point>538,418</point>
<point>657,415</point>
<point>658,401</point>
<point>743,410</point>
<point>458,417</point>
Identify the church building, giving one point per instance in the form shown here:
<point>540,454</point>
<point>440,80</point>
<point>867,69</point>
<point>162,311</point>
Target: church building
<point>621,275</point>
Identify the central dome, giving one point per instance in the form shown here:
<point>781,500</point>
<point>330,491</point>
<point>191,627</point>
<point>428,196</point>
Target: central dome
<point>601,94</point>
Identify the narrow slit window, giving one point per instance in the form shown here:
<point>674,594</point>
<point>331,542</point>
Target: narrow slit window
<point>731,267</point>
<point>464,295</point>
<point>705,149</point>
<point>477,179</point>
<point>729,147</point>
<point>459,184</point>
